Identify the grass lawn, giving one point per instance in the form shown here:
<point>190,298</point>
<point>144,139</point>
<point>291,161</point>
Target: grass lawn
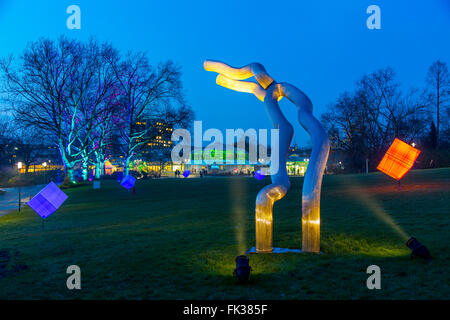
<point>177,239</point>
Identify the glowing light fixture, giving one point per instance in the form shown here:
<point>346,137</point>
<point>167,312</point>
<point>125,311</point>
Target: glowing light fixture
<point>186,173</point>
<point>47,201</point>
<point>398,160</point>
<point>242,271</point>
<point>19,165</point>
<point>259,175</point>
<point>418,249</point>
<point>128,182</point>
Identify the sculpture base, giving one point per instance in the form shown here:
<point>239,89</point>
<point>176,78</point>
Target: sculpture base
<point>275,250</point>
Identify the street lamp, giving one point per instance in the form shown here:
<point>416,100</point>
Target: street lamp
<point>45,171</point>
<point>19,166</point>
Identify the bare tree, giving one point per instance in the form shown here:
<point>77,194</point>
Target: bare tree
<point>28,145</point>
<point>95,99</point>
<point>59,88</point>
<point>102,136</point>
<point>6,139</point>
<point>146,92</point>
<point>439,81</point>
<point>363,123</point>
<point>82,94</point>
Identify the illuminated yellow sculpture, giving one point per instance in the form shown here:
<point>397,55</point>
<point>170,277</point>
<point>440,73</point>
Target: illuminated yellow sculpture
<point>270,92</point>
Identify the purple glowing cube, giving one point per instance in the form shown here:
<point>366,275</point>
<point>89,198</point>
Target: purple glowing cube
<point>48,200</point>
<point>186,173</point>
<point>259,175</point>
<point>128,182</point>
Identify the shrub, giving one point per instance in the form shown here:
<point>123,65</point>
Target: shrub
<point>67,184</point>
<point>21,181</point>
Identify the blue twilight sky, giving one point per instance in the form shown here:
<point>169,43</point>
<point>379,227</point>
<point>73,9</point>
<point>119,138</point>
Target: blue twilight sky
<point>322,47</point>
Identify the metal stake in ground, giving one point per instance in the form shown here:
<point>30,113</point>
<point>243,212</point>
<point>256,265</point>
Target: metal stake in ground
<point>20,200</point>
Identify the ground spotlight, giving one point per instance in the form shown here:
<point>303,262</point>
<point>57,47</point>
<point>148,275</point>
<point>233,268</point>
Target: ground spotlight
<point>418,249</point>
<point>242,271</point>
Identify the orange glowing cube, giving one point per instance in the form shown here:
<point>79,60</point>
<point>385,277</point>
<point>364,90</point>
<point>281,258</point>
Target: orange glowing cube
<point>399,159</point>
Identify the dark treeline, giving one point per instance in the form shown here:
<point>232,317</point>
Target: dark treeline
<point>364,122</point>
<point>85,99</point>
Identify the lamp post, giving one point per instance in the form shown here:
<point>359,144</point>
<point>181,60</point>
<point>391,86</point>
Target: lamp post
<point>45,171</point>
<point>19,166</point>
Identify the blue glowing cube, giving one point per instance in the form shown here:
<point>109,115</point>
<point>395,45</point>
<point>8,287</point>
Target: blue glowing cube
<point>259,175</point>
<point>128,182</point>
<point>186,173</point>
<point>47,201</point>
<point>96,184</point>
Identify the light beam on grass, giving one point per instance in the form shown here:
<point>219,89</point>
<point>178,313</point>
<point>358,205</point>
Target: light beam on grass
<point>384,216</point>
<point>380,213</point>
<point>238,189</point>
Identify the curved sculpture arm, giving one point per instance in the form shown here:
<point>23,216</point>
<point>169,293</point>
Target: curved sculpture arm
<point>253,69</point>
<point>230,77</point>
<point>319,138</point>
<point>265,200</point>
<point>280,185</point>
<point>270,92</point>
<point>286,132</point>
<point>312,183</point>
<point>241,86</point>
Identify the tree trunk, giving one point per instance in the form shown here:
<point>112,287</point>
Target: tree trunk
<point>437,113</point>
<point>98,170</point>
<point>68,165</point>
<point>126,167</point>
<point>84,174</point>
<point>85,170</point>
<point>69,173</point>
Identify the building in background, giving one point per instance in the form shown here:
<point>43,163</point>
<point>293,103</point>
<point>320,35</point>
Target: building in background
<point>158,135</point>
<point>47,159</point>
<point>296,164</point>
<point>153,157</point>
